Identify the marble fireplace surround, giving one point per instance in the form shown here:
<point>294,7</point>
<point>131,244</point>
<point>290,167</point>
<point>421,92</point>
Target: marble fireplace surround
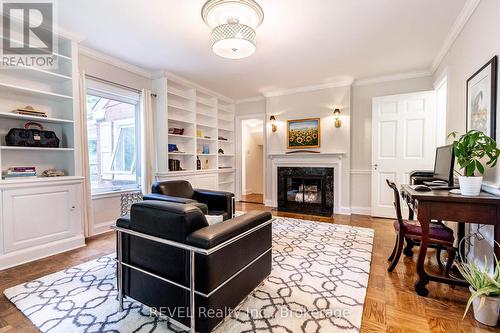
<point>309,160</point>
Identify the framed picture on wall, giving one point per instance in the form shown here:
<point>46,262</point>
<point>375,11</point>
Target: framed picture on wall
<point>482,99</point>
<point>303,133</point>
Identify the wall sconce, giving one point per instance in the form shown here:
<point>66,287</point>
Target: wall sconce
<point>272,119</point>
<point>336,114</point>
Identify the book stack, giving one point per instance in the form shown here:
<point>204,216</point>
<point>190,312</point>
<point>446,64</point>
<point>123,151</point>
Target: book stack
<point>30,111</point>
<point>20,172</point>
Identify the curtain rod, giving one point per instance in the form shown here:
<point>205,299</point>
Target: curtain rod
<point>115,84</point>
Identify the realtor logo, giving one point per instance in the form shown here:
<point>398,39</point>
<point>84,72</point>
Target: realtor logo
<point>28,34</point>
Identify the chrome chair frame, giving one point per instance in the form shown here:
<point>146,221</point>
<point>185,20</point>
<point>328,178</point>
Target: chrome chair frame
<point>192,251</point>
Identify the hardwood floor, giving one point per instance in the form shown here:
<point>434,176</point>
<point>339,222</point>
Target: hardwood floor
<point>253,198</point>
<point>391,304</point>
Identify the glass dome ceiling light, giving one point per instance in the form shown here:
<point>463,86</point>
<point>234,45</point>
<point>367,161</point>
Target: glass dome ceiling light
<point>233,24</point>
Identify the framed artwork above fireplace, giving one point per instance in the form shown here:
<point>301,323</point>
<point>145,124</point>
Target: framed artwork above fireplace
<point>303,133</point>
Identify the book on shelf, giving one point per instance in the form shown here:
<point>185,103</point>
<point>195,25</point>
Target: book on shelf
<point>20,172</point>
<point>21,169</point>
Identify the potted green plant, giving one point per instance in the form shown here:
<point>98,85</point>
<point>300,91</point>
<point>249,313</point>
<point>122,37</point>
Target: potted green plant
<point>485,290</point>
<point>471,150</point>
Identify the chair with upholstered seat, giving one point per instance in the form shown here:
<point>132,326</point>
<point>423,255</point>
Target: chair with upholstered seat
<point>440,236</point>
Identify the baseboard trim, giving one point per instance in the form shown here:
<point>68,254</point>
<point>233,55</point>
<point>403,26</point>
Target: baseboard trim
<point>24,256</point>
<point>361,210</point>
<point>269,203</point>
<point>343,211</point>
<point>101,228</point>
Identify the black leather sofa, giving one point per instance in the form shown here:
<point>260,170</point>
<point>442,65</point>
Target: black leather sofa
<point>181,191</point>
<point>162,243</point>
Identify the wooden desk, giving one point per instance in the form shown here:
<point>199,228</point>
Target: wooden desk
<point>442,205</point>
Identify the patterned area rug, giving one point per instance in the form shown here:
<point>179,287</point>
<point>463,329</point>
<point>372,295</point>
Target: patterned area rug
<point>318,284</point>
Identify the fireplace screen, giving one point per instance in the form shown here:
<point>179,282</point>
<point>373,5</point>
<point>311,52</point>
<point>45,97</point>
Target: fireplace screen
<point>305,190</point>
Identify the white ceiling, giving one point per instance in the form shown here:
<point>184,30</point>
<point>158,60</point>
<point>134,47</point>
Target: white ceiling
<point>300,43</point>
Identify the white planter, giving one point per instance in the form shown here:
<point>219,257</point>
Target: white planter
<point>470,186</point>
<point>488,313</point>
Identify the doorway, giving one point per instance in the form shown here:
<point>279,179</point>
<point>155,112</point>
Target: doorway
<point>252,161</point>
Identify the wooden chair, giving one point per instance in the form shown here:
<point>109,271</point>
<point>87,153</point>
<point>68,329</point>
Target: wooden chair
<point>440,236</point>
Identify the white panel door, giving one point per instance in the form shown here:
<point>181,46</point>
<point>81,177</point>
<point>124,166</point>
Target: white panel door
<point>403,140</point>
<point>40,215</point>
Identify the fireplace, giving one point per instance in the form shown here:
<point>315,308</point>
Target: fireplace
<point>306,190</point>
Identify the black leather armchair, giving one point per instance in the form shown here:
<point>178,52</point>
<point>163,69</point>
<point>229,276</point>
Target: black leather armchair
<point>170,258</point>
<point>181,191</point>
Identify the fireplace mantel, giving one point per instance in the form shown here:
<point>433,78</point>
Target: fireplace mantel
<point>294,155</point>
<point>325,160</point>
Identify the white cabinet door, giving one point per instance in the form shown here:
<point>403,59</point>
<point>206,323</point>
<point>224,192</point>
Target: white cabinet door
<point>36,216</point>
<point>207,182</point>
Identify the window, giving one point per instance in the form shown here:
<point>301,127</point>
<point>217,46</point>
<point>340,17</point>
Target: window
<point>113,137</point>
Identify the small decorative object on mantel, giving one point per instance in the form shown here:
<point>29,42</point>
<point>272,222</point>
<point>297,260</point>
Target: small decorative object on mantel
<point>303,151</point>
<point>53,173</point>
<point>221,151</point>
<point>482,99</point>
<point>28,110</point>
<point>303,133</point>
<point>471,150</point>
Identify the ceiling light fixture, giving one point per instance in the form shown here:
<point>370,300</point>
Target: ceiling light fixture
<point>233,24</point>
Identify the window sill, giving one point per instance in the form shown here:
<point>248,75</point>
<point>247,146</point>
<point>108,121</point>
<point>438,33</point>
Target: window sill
<point>111,194</point>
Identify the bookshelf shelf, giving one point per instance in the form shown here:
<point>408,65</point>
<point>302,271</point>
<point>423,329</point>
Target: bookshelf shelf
<point>33,92</point>
<point>35,118</point>
<point>35,148</point>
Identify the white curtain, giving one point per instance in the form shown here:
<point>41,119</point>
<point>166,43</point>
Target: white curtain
<point>88,216</point>
<point>147,155</point>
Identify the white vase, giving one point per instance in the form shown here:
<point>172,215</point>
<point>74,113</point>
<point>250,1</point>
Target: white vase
<point>488,313</point>
<point>470,186</point>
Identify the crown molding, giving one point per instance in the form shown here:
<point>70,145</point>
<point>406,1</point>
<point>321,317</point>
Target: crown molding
<point>335,84</point>
<point>457,27</point>
<point>91,53</point>
<point>249,100</point>
<point>68,34</point>
<point>395,77</point>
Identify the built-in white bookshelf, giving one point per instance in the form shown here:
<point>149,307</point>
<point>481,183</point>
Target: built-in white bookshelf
<point>207,122</point>
<point>49,90</point>
<point>54,202</point>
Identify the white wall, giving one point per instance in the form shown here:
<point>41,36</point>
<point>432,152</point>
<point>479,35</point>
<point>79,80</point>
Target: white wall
<point>251,108</point>
<point>475,45</point>
<point>107,208</point>
<point>361,133</point>
<point>313,104</point>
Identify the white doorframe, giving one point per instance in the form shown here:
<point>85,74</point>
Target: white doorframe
<point>239,160</point>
